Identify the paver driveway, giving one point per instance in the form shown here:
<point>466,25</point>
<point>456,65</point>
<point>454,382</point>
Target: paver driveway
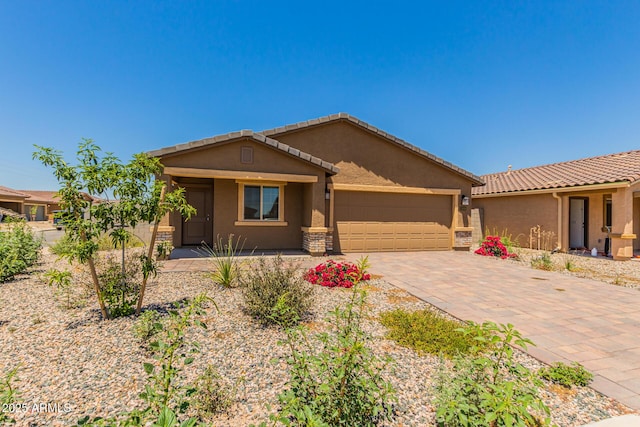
<point>569,318</point>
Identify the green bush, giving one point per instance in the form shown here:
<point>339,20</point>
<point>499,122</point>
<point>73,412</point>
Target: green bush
<point>166,392</point>
<point>490,388</point>
<point>275,293</point>
<point>19,250</point>
<point>148,325</point>
<point>426,332</point>
<point>337,380</point>
<point>213,395</point>
<point>64,246</point>
<point>119,289</point>
<point>567,375</point>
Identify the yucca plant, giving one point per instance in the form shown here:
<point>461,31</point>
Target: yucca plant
<point>224,256</point>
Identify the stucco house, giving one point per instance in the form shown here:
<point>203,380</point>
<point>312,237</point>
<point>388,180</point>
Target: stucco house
<point>43,203</point>
<point>586,203</point>
<point>11,201</point>
<point>332,184</point>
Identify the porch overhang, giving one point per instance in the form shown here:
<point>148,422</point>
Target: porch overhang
<point>238,175</point>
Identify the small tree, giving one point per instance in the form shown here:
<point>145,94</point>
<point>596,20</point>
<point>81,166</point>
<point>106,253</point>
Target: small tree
<point>129,194</point>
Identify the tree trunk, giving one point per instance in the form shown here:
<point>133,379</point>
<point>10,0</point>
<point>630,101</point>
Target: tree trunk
<point>96,283</point>
<point>154,234</point>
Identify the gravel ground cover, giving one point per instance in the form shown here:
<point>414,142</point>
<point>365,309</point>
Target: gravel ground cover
<point>77,364</point>
<point>620,273</point>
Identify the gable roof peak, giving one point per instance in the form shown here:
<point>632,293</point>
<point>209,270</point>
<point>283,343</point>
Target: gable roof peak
<point>476,180</point>
<point>245,133</point>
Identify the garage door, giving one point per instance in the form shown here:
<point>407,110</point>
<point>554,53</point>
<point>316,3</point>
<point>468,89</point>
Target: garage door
<point>378,222</point>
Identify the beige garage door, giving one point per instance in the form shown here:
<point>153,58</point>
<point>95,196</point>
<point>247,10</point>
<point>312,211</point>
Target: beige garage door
<point>379,222</point>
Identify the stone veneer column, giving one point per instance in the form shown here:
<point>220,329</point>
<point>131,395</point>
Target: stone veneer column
<point>462,238</point>
<point>314,240</point>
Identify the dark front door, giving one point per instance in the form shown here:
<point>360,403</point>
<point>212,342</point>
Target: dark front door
<point>199,228</point>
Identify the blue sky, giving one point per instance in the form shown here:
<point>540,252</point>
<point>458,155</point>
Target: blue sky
<point>483,85</point>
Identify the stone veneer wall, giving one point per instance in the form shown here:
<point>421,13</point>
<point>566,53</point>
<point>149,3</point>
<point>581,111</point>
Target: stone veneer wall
<point>463,239</point>
<point>314,243</point>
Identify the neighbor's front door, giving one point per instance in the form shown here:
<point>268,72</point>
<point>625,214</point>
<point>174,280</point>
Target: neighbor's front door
<point>577,223</point>
<point>199,228</point>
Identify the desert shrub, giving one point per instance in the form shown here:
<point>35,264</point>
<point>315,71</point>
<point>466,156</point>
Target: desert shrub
<point>336,380</point>
<point>8,396</point>
<point>426,332</point>
<point>224,256</point>
<point>163,249</point>
<point>19,250</point>
<point>338,274</point>
<point>62,280</point>
<point>570,266</point>
<point>567,375</point>
<point>147,326</point>
<point>119,288</point>
<point>106,243</point>
<point>64,246</point>
<point>275,293</point>
<point>493,246</point>
<point>166,393</point>
<point>542,262</point>
<point>489,388</point>
<point>213,395</point>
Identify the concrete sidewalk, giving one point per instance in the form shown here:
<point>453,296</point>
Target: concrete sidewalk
<point>568,318</point>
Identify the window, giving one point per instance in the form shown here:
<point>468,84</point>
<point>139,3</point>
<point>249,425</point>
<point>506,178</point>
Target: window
<point>608,219</point>
<point>260,202</point>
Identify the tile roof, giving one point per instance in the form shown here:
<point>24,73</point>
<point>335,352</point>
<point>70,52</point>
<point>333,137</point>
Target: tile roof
<point>391,138</point>
<point>41,196</point>
<point>611,168</point>
<point>257,137</point>
<point>8,192</point>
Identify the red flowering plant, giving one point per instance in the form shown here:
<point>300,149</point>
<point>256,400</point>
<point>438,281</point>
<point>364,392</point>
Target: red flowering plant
<point>493,246</point>
<point>338,274</point>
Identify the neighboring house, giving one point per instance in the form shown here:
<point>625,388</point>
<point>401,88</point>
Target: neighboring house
<point>333,184</point>
<point>34,205</point>
<point>43,203</point>
<point>12,201</point>
<point>586,203</point>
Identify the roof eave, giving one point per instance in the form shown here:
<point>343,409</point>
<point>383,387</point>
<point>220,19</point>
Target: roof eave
<point>568,189</point>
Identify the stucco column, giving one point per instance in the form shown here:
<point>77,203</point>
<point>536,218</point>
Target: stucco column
<point>318,204</point>
<point>314,237</point>
<point>622,224</point>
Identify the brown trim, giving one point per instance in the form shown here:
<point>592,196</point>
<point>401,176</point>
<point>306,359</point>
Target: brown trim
<point>315,229</point>
<point>261,223</point>
<point>281,201</point>
<point>394,189</point>
<point>238,175</point>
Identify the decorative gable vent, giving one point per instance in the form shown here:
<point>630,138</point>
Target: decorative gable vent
<point>246,155</point>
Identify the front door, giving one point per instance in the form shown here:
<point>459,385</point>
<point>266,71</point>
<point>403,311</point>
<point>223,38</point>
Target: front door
<point>577,223</point>
<point>199,228</point>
